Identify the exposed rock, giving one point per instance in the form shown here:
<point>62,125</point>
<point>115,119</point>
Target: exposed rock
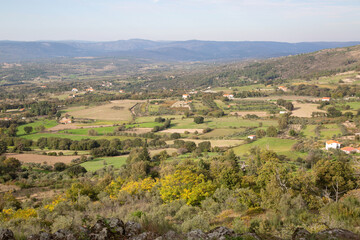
<point>6,234</point>
<point>145,236</point>
<point>171,235</point>
<point>196,235</point>
<point>252,236</point>
<point>336,234</point>
<point>132,229</point>
<point>220,233</point>
<point>111,228</point>
<point>300,234</point>
<point>41,236</point>
<point>63,235</point>
<point>116,225</point>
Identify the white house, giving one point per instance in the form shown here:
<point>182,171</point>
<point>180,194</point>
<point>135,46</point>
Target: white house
<point>348,150</point>
<point>325,99</point>
<point>283,112</point>
<point>185,96</point>
<point>74,90</point>
<point>252,137</point>
<point>332,144</point>
<point>229,96</point>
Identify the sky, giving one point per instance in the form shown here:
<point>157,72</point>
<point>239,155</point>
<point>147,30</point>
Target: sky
<point>219,20</point>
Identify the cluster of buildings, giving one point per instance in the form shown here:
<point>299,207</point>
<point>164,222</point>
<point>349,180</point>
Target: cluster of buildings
<point>332,144</point>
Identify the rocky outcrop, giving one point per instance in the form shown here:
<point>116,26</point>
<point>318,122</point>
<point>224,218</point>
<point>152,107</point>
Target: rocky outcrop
<point>115,229</point>
<point>329,234</point>
<point>6,234</point>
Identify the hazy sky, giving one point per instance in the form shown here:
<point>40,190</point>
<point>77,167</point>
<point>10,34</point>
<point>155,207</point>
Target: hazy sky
<point>229,20</point>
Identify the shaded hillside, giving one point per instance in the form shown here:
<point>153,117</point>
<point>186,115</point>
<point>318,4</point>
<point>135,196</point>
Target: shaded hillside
<point>320,63</point>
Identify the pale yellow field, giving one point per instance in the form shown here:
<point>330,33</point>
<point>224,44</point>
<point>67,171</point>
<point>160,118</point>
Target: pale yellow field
<point>305,109</point>
<point>36,158</point>
<point>106,111</point>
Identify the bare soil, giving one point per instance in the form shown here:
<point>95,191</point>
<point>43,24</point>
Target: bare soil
<point>36,158</point>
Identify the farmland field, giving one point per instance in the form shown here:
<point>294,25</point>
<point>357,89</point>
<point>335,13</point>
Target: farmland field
<point>70,136</point>
<point>280,146</point>
<point>99,163</point>
<point>44,122</point>
<point>305,109</point>
<point>36,158</point>
<point>114,111</point>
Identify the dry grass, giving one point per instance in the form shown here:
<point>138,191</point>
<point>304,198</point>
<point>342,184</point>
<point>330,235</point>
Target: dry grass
<point>305,109</point>
<point>35,158</point>
<point>7,188</point>
<point>107,112</point>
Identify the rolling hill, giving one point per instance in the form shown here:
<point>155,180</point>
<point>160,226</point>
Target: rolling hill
<point>193,50</point>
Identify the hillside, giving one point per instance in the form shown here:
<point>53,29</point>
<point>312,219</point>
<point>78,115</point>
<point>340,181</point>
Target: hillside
<point>193,50</point>
<point>323,62</point>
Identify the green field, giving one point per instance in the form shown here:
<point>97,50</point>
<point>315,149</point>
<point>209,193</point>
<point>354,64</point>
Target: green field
<point>329,130</point>
<point>45,122</point>
<point>221,133</point>
<point>309,131</point>
<point>84,131</point>
<point>36,136</point>
<point>280,146</point>
<point>98,163</point>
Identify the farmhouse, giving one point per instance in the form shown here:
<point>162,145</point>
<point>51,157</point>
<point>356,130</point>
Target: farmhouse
<point>74,90</point>
<point>229,96</point>
<point>252,137</point>
<point>90,89</point>
<point>332,144</point>
<point>348,150</point>
<point>185,96</point>
<point>65,120</point>
<point>325,99</point>
<point>283,88</point>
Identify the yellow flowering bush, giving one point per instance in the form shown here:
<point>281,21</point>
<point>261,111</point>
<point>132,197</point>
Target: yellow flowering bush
<point>136,187</point>
<point>55,202</point>
<point>114,187</point>
<point>187,185</point>
<point>8,214</point>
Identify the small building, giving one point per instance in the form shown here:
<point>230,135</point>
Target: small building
<point>43,86</point>
<point>283,88</point>
<point>65,120</point>
<point>325,99</point>
<point>74,90</point>
<point>229,96</point>
<point>332,144</point>
<point>252,137</point>
<point>348,150</point>
<point>121,91</point>
<point>185,96</point>
<point>90,89</point>
<point>283,112</point>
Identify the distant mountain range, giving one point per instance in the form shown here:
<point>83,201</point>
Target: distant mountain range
<point>193,50</point>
